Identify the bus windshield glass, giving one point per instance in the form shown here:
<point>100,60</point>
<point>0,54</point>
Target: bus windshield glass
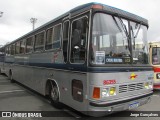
<point>111,44</point>
<point>156,55</point>
<point>139,43</point>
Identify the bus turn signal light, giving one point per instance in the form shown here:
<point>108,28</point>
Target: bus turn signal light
<point>96,93</point>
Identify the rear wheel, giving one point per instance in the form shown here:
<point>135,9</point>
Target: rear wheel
<point>54,96</point>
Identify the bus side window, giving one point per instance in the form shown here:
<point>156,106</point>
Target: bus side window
<point>12,49</point>
<point>39,42</point>
<point>49,39</point>
<point>17,45</point>
<point>9,50</point>
<point>56,36</point>
<point>78,40</point>
<point>65,39</point>
<point>22,47</point>
<point>29,44</point>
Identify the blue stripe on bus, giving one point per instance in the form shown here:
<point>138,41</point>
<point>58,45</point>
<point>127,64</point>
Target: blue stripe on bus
<point>84,68</point>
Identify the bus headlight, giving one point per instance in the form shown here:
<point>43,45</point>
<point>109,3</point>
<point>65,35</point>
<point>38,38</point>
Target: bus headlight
<point>148,85</point>
<point>112,91</point>
<point>105,92</point>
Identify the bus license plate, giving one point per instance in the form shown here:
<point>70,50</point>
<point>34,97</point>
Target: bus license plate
<point>133,105</point>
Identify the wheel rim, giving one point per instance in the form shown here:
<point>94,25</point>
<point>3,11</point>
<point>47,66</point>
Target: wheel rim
<point>54,94</point>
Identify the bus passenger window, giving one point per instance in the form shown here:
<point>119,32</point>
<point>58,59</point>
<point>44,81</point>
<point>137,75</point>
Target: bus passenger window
<point>78,40</point>
<point>7,51</point>
<point>12,49</point>
<point>39,42</point>
<point>56,36</point>
<point>29,44</point>
<point>22,46</point>
<point>49,39</point>
<point>17,47</point>
<point>65,39</point>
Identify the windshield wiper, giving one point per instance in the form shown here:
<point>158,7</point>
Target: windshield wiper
<point>134,44</point>
<point>135,36</point>
<point>117,24</point>
<point>138,30</point>
<point>125,31</point>
<point>124,27</point>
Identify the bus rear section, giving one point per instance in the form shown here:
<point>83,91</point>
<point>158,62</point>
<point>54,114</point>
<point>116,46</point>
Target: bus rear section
<point>155,62</point>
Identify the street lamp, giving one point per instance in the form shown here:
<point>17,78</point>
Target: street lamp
<point>33,21</point>
<point>1,13</point>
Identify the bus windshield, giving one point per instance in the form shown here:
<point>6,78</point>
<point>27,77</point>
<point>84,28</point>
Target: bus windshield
<point>156,55</point>
<point>139,43</point>
<point>111,44</point>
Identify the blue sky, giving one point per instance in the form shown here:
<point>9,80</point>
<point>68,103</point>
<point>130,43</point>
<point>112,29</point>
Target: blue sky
<point>15,21</point>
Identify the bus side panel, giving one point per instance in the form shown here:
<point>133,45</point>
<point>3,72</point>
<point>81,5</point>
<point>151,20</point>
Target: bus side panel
<point>34,75</point>
<point>71,91</point>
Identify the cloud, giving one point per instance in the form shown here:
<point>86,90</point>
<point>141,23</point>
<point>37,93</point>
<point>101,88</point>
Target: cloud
<point>17,13</point>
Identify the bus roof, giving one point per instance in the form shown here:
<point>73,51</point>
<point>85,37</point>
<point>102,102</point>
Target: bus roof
<point>88,6</point>
<point>112,10</point>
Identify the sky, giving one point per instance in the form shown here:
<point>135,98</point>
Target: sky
<point>15,20</point>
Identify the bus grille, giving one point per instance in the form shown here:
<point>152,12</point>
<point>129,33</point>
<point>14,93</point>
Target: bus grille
<point>130,87</point>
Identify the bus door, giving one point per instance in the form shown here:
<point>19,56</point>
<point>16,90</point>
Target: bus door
<point>78,45</point>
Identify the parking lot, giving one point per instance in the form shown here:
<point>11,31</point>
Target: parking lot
<point>16,97</point>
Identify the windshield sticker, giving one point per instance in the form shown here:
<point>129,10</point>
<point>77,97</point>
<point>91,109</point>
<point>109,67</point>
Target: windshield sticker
<point>100,57</point>
<point>127,60</point>
<point>114,60</point>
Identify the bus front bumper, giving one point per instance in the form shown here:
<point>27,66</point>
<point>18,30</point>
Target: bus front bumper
<point>102,109</point>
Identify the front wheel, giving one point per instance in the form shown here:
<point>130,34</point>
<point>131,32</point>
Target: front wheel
<point>54,96</point>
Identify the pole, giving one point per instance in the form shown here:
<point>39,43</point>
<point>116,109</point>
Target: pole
<point>33,21</point>
<point>1,13</point>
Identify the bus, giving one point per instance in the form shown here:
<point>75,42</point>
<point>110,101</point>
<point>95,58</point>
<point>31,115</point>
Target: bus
<point>2,56</point>
<point>88,59</point>
<point>155,62</point>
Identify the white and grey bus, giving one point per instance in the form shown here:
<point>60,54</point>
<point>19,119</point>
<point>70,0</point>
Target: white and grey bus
<point>87,59</point>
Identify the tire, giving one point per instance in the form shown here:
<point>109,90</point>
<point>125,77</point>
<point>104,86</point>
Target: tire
<point>54,96</point>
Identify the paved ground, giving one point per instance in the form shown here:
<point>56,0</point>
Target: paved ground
<point>16,97</point>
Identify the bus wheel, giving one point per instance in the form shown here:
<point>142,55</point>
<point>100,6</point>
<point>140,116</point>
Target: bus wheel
<point>11,77</point>
<point>54,96</point>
